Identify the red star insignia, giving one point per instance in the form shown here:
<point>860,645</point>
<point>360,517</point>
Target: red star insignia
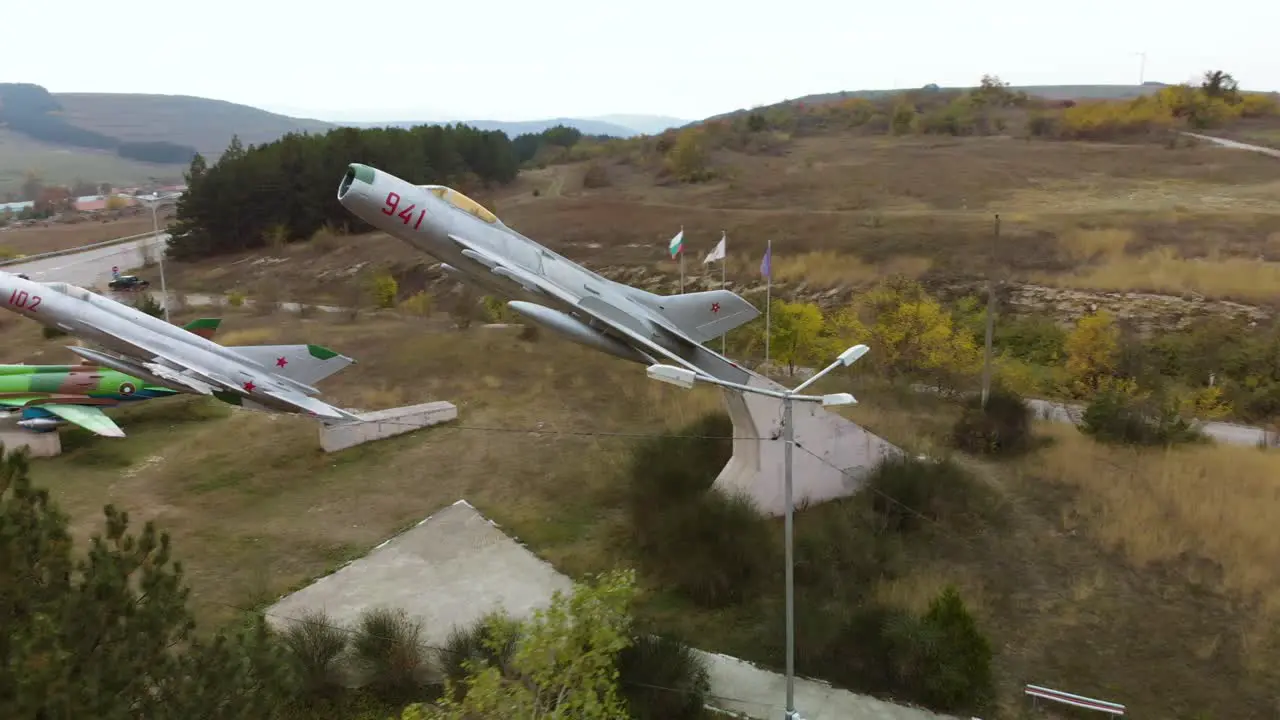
<point>281,362</point>
<point>249,386</point>
<point>715,307</point>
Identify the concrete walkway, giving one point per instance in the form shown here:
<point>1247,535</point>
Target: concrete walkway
<point>455,566</point>
<point>1235,144</point>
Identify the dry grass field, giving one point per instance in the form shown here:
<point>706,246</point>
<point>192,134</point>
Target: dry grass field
<point>843,211</point>
<point>1143,577</point>
<point>33,240</point>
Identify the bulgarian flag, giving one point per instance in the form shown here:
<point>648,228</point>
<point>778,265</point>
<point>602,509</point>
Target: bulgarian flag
<point>676,244</point>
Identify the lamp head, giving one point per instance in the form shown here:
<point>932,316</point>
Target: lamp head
<point>848,357</point>
<point>672,375</point>
<point>835,399</point>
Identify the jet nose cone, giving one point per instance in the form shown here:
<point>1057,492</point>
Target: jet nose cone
<point>356,175</point>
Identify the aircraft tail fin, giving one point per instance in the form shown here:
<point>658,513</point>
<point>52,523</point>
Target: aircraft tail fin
<point>306,364</point>
<point>704,315</point>
<point>204,327</point>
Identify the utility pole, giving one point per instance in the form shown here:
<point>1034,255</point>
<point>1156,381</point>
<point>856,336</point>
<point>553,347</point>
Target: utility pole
<point>991,313</point>
<point>1142,67</point>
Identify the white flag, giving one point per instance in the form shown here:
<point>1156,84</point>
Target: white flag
<point>717,253</point>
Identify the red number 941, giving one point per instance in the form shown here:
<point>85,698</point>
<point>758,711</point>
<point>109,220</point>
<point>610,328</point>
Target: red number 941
<point>392,203</point>
<point>20,299</point>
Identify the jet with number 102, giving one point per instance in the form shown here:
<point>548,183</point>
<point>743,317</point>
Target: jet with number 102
<point>257,377</point>
<point>544,287</point>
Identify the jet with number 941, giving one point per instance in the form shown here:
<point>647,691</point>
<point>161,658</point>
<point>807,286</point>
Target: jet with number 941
<point>544,287</point>
<point>259,377</point>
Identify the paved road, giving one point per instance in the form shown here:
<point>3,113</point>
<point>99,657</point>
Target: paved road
<point>1236,144</point>
<point>1228,433</point>
<point>88,268</point>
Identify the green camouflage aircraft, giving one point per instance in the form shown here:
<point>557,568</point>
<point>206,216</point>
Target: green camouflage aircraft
<point>46,396</point>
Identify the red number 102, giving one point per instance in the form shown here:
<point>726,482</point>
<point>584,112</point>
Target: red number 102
<point>20,298</point>
<point>393,201</point>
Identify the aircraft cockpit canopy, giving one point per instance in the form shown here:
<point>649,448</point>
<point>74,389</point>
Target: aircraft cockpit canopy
<point>462,202</point>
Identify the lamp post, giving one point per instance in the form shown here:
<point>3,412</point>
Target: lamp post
<point>685,378</point>
<point>155,227</point>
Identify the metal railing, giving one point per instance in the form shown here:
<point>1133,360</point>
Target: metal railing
<point>1066,698</point>
<point>75,250</point>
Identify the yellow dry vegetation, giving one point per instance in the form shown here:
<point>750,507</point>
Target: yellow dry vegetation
<point>1084,245</point>
<point>1218,502</point>
<point>1162,271</point>
<point>830,268</point>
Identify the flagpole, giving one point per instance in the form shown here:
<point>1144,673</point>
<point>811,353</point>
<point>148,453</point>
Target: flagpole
<point>768,293</point>
<point>724,262</point>
<point>681,260</point>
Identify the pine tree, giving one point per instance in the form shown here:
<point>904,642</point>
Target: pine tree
<point>109,635</point>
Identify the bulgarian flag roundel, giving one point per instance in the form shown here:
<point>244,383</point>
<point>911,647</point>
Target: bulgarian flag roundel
<point>676,244</point>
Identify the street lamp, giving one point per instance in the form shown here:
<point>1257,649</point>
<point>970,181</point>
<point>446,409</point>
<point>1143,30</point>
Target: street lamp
<point>155,226</point>
<point>685,378</point>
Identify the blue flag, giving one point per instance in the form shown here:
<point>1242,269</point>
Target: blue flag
<point>764,264</point>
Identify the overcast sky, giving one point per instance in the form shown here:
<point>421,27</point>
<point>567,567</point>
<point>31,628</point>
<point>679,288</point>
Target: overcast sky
<point>522,60</point>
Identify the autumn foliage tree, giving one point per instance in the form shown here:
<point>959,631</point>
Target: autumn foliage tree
<point>912,333</point>
<point>688,158</point>
<point>564,662</point>
<point>1092,348</point>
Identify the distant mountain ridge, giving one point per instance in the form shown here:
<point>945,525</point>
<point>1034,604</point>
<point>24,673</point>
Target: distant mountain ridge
<point>614,125</point>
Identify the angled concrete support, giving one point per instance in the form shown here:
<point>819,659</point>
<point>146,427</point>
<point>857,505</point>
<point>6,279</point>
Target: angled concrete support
<point>832,456</point>
<point>39,445</point>
<point>384,424</point>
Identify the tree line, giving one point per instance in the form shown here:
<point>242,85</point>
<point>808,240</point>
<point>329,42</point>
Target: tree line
<point>287,188</point>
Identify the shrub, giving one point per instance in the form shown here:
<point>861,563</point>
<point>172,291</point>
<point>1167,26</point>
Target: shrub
<point>841,550</point>
<point>907,492</point>
<point>148,305</point>
<point>663,679</point>
<point>418,304</point>
<point>676,467</point>
<point>315,647</point>
<point>1032,338</point>
<point>939,659</point>
<point>688,158</point>
<point>385,288</point>
<point>1121,414</point>
<point>235,298</point>
<point>904,119</point>
<point>388,647</point>
<point>596,176</point>
<point>1003,427</point>
<point>490,642</point>
<point>716,549</point>
<point>495,309</point>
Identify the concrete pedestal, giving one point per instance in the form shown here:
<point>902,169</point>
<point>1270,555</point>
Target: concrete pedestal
<point>38,444</point>
<point>384,424</point>
<point>832,456</point>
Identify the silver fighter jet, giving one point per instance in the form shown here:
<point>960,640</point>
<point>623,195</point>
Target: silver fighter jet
<point>259,377</point>
<point>543,287</point>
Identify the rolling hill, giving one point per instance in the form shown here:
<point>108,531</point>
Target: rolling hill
<point>202,124</point>
<point>207,125</point>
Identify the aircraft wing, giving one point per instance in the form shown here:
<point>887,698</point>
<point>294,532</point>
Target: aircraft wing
<point>87,417</point>
<point>311,406</point>
<point>198,379</point>
<point>615,318</point>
